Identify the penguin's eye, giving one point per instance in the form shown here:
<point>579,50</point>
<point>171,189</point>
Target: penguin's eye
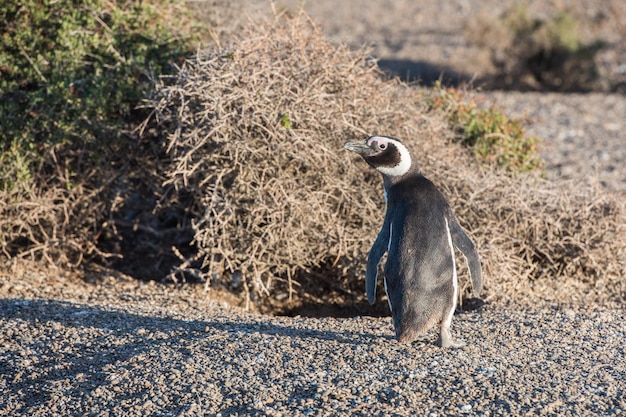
<point>382,146</point>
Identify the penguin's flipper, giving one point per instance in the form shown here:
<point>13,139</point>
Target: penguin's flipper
<point>373,259</point>
<point>466,246</point>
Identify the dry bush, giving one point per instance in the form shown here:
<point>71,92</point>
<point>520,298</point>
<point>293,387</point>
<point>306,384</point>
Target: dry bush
<point>256,133</point>
<point>54,224</point>
<point>541,240</point>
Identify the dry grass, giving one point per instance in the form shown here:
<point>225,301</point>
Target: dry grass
<point>557,242</point>
<point>255,135</point>
<point>54,224</point>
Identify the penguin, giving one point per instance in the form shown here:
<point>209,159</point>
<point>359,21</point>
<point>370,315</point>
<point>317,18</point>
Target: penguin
<point>419,233</point>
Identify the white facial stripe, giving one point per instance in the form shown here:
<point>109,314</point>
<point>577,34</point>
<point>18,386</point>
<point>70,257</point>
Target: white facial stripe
<point>448,321</point>
<point>405,161</point>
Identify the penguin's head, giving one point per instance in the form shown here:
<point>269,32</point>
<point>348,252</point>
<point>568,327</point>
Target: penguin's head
<point>386,154</point>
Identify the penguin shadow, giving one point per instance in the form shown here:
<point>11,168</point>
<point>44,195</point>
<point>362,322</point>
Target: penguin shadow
<point>380,309</point>
<point>361,308</point>
<point>470,304</point>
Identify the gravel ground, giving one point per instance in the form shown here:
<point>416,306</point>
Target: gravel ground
<point>122,348</point>
<point>584,135</point>
<point>114,346</point>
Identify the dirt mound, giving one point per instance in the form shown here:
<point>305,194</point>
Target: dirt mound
<point>255,134</point>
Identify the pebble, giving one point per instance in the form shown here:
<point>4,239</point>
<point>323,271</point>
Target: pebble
<point>208,361</point>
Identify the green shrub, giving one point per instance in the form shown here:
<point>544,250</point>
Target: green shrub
<point>72,74</point>
<point>493,137</point>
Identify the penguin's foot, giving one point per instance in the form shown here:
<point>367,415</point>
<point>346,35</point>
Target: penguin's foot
<point>445,340</point>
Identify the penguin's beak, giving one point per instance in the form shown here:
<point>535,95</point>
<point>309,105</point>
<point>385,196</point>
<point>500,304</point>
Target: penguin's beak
<point>359,147</point>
